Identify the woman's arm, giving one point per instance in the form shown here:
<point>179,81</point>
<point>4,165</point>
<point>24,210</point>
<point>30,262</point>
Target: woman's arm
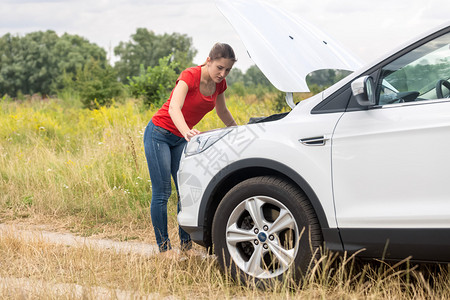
<point>223,112</point>
<point>176,104</point>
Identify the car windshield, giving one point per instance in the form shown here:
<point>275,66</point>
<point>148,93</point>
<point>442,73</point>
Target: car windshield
<point>415,75</point>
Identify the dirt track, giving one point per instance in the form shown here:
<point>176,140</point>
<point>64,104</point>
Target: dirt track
<point>24,287</point>
<point>71,240</point>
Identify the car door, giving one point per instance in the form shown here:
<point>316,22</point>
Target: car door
<point>391,162</point>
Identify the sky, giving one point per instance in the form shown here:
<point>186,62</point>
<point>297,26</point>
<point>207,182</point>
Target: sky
<point>366,28</point>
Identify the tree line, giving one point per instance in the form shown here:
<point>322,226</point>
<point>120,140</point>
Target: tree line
<point>148,64</point>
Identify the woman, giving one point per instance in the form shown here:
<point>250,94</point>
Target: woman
<point>197,91</point>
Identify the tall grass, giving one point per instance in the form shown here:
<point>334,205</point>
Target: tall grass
<point>61,161</point>
<point>194,277</point>
<point>85,171</point>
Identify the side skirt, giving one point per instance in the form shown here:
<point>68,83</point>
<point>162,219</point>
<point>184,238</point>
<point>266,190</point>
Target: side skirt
<point>430,244</point>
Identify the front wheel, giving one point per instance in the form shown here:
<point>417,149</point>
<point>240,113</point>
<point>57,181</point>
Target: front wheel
<point>265,227</point>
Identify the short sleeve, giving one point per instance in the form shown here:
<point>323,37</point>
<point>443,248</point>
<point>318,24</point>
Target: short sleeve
<point>188,77</point>
<point>223,86</point>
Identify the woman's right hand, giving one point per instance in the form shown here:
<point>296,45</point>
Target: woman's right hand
<point>188,135</point>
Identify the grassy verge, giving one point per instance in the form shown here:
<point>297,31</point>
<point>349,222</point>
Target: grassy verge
<point>198,277</point>
<point>85,171</point>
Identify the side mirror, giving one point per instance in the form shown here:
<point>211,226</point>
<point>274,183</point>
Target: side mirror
<point>363,89</point>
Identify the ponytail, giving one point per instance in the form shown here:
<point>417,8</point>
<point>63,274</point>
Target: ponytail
<point>221,50</point>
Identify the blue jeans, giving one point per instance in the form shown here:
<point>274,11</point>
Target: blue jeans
<point>163,151</point>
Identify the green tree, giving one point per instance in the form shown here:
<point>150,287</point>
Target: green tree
<point>97,85</point>
<point>235,75</point>
<point>322,79</point>
<point>35,63</point>
<point>146,48</point>
<point>11,73</point>
<point>26,63</point>
<point>155,83</point>
<point>72,52</point>
<point>254,77</point>
<point>253,81</point>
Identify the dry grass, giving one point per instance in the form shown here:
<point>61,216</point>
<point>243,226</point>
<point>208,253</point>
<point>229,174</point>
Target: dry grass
<point>84,172</point>
<point>88,267</point>
<point>46,270</point>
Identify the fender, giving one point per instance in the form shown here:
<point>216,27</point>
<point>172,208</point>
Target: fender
<point>267,164</point>
<point>258,167</point>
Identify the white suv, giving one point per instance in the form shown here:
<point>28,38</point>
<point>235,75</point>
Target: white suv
<point>363,165</point>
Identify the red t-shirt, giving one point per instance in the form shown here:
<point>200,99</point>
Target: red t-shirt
<point>195,106</point>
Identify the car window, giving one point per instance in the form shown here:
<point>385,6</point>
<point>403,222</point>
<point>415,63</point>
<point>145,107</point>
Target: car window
<point>415,75</point>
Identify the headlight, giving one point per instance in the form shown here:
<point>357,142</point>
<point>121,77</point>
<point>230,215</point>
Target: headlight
<point>203,141</point>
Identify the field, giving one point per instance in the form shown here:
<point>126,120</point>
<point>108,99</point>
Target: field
<point>78,171</point>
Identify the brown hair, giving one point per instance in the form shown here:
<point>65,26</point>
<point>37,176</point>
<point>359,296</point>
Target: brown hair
<point>222,50</point>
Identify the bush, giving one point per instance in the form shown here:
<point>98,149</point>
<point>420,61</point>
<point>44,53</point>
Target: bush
<point>237,89</point>
<point>97,86</point>
<point>155,84</point>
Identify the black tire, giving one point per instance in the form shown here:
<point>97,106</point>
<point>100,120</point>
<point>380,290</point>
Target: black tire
<point>263,250</point>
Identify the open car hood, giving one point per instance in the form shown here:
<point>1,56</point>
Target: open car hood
<point>285,48</point>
